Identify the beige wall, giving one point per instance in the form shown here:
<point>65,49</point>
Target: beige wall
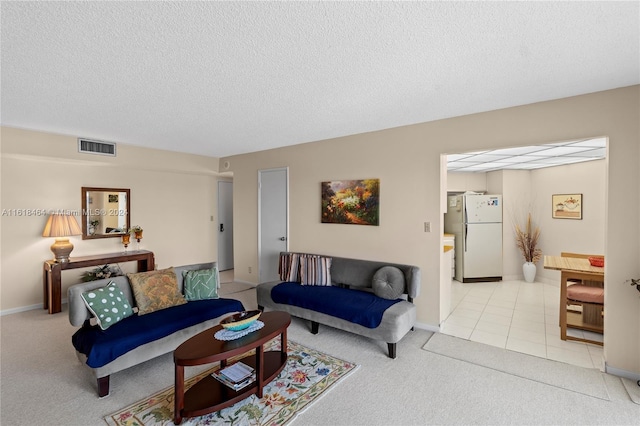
<point>407,161</point>
<point>578,236</point>
<point>172,197</point>
<point>525,190</point>
<point>461,182</point>
<point>516,189</point>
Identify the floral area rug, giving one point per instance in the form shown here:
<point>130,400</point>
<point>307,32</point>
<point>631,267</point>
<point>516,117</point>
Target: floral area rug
<point>307,375</point>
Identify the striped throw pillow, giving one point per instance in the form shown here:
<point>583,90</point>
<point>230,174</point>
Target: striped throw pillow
<point>315,270</point>
<point>289,267</point>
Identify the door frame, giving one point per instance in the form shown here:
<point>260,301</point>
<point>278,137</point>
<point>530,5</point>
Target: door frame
<point>286,170</point>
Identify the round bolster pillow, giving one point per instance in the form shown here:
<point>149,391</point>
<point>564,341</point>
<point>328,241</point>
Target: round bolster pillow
<point>388,282</point>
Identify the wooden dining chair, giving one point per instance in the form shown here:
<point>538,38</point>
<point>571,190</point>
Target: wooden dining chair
<point>584,298</point>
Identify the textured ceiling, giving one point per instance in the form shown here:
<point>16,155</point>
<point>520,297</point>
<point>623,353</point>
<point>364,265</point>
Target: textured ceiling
<point>224,78</point>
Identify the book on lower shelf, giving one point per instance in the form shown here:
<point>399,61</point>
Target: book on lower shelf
<point>236,376</point>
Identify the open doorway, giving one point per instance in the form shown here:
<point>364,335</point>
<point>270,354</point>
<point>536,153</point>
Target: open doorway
<point>512,313</point>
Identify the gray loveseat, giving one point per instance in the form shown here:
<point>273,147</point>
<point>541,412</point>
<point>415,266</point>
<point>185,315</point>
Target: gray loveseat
<point>344,303</point>
<point>139,338</point>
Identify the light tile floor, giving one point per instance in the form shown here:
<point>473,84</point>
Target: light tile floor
<point>518,316</point>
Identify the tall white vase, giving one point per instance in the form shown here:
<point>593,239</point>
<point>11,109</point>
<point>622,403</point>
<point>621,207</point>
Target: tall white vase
<point>529,271</point>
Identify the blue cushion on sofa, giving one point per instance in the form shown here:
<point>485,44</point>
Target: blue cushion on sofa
<point>103,346</point>
<point>356,306</point>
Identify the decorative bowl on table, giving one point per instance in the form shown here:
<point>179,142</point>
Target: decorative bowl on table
<point>240,321</point>
<point>596,261</point>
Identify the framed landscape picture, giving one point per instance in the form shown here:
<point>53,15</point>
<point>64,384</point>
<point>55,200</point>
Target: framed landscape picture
<point>351,201</point>
<point>566,206</point>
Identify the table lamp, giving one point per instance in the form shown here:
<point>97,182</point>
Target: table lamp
<point>61,226</point>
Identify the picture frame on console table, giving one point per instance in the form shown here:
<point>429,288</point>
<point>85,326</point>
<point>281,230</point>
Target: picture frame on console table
<point>566,206</point>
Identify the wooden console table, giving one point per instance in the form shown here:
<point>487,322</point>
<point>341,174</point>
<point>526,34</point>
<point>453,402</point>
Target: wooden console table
<point>52,277</point>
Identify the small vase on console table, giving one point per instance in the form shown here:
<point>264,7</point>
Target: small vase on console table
<point>126,239</point>
<point>138,235</point>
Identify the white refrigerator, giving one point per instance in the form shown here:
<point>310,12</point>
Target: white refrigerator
<point>476,222</point>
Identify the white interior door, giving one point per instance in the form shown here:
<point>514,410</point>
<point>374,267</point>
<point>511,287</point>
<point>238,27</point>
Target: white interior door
<point>225,225</point>
<point>273,220</point>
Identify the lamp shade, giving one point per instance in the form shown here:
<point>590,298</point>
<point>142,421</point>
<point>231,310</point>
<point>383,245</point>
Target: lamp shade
<point>61,226</point>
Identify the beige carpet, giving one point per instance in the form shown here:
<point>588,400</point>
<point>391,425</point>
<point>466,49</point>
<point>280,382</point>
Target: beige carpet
<point>226,276</point>
<point>229,287</point>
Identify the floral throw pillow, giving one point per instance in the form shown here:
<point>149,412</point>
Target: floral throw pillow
<point>108,304</point>
<point>155,290</point>
<point>201,284</point>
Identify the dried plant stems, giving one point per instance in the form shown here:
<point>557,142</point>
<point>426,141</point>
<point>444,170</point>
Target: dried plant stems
<point>527,241</point>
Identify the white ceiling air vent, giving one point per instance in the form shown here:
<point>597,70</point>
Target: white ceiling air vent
<point>96,147</point>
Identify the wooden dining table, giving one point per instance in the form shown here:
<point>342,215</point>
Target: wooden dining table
<point>574,264</point>
<point>574,268</point>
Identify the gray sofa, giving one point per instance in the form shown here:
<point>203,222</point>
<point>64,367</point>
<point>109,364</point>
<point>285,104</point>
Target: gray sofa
<point>350,275</point>
<point>190,319</point>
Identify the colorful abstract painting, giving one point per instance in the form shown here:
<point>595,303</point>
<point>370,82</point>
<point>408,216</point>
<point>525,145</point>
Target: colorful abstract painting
<point>351,201</point>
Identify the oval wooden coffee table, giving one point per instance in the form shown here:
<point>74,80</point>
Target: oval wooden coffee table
<point>209,395</point>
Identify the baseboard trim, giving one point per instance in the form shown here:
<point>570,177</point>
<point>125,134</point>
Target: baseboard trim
<point>621,373</point>
<point>428,327</point>
<point>20,309</point>
<point>25,309</point>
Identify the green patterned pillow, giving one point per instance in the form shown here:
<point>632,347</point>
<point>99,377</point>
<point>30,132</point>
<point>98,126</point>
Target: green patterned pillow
<point>108,304</point>
<point>201,284</point>
<point>155,290</point>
